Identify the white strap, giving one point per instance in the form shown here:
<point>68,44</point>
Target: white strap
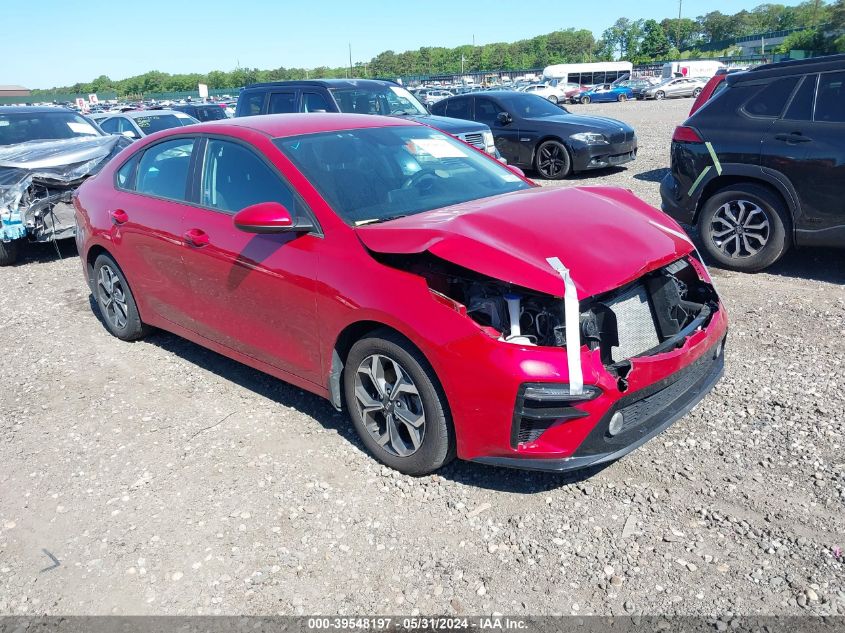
<point>572,320</point>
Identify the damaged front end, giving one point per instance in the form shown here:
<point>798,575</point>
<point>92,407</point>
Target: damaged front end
<point>37,181</point>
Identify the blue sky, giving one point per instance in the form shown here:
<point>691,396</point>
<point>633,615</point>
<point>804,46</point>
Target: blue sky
<point>58,42</point>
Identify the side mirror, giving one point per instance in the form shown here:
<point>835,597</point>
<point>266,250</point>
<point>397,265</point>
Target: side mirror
<point>129,134</point>
<point>269,217</point>
<point>504,118</point>
<point>516,170</point>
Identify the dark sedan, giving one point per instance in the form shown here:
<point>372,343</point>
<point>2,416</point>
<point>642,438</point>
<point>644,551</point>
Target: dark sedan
<point>532,133</point>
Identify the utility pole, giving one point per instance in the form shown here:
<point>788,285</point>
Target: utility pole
<point>350,60</point>
<point>678,26</point>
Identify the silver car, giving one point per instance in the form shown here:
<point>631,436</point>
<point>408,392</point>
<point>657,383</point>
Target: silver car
<point>677,87</point>
<point>136,124</point>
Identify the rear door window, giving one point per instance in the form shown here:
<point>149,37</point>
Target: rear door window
<point>830,98</point>
<point>771,99</point>
<point>163,170</point>
<point>314,102</point>
<point>282,103</point>
<point>459,108</point>
<point>801,106</point>
<point>251,104</point>
<point>486,111</point>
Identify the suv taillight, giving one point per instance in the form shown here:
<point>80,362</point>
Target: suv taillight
<point>684,134</point>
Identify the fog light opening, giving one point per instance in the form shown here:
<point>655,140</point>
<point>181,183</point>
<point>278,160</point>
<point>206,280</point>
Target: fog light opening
<point>616,423</point>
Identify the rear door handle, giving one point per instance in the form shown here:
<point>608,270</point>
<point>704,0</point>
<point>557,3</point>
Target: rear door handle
<point>119,216</point>
<point>196,237</point>
<point>795,137</point>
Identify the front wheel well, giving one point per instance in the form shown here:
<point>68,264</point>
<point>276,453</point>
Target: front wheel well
<point>548,137</point>
<point>721,182</point>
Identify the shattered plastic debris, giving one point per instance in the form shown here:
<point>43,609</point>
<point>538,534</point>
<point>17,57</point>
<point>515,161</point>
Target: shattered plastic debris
<point>57,166</point>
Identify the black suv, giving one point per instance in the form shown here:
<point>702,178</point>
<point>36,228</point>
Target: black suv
<point>202,111</point>
<point>762,165</point>
<point>358,96</point>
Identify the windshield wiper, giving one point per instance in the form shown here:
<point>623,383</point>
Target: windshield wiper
<point>380,220</point>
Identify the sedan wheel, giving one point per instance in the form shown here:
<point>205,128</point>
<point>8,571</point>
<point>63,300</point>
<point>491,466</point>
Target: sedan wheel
<point>659,95</point>
<point>621,98</point>
<point>696,92</point>
<point>552,161</point>
<point>585,100</point>
<point>553,99</point>
<point>397,405</point>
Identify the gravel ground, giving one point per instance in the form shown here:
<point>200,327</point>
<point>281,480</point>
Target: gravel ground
<point>166,479</point>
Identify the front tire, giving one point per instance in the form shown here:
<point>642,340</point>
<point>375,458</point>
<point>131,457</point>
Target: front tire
<point>397,405</point>
<point>115,301</point>
<point>622,98</point>
<point>553,99</point>
<point>585,100</point>
<point>745,227</point>
<point>659,95</point>
<point>552,161</point>
<point>9,252</point>
<point>696,92</point>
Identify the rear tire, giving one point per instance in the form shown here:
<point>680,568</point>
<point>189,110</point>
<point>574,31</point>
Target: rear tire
<point>659,95</point>
<point>397,405</point>
<point>745,227</point>
<point>621,98</point>
<point>696,92</point>
<point>553,99</point>
<point>115,301</point>
<point>585,100</point>
<point>9,252</point>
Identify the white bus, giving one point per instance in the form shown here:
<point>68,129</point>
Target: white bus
<point>587,74</point>
<point>705,68</point>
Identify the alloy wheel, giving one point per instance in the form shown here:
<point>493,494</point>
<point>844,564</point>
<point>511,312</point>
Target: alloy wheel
<point>390,405</point>
<point>551,160</point>
<point>112,297</point>
<point>740,229</point>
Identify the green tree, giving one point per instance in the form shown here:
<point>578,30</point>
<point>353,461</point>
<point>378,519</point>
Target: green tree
<point>655,44</point>
<point>682,33</point>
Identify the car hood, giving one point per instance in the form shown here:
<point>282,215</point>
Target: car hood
<point>448,124</point>
<point>606,236</point>
<point>586,123</point>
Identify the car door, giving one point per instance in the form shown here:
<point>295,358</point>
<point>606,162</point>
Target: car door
<point>506,135</point>
<point>806,145</point>
<point>151,193</point>
<point>253,293</point>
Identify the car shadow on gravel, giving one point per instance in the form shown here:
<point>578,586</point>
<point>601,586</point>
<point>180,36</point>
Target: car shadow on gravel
<point>459,471</point>
<point>652,175</point>
<point>46,252</point>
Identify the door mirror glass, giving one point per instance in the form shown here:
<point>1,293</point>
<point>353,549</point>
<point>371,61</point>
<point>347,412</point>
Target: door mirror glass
<point>268,217</point>
<point>504,118</point>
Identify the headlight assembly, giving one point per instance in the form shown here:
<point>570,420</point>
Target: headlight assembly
<point>590,138</point>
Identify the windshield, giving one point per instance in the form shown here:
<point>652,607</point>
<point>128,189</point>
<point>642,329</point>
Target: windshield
<point>387,100</point>
<point>530,106</point>
<point>157,122</point>
<point>20,127</point>
<point>377,174</point>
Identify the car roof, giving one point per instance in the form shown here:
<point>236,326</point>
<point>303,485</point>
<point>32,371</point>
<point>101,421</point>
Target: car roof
<point>134,114</point>
<point>282,125</point>
<point>30,109</point>
<point>325,83</point>
<point>791,67</point>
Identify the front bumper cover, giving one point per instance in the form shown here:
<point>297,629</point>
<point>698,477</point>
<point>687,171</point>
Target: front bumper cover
<point>648,412</point>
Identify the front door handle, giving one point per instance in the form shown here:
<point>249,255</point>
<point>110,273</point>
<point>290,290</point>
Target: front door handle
<point>119,216</point>
<point>795,137</point>
<point>196,237</point>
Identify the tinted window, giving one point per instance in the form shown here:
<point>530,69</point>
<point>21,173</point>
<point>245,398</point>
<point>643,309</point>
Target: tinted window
<point>163,170</point>
<point>530,106</point>
<point>439,109</point>
<point>771,99</point>
<point>157,122</point>
<point>830,106</point>
<point>458,108</point>
<point>801,106</point>
<point>315,102</point>
<point>210,113</point>
<point>282,103</point>
<point>380,99</point>
<point>486,111</point>
<point>375,174</point>
<point>235,177</point>
<point>126,174</point>
<point>250,104</point>
<point>110,126</point>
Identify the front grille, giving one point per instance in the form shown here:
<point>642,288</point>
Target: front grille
<point>634,323</point>
<point>473,138</point>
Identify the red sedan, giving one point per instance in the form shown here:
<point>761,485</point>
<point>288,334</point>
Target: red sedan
<point>447,303</point>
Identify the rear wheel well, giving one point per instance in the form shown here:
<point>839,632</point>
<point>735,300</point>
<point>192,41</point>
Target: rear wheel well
<point>722,182</point>
<point>93,253</point>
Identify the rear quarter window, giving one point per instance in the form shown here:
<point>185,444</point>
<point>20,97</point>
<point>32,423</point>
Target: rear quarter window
<point>771,98</point>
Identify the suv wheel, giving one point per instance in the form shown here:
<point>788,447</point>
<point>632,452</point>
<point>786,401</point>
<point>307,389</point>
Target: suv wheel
<point>745,227</point>
<point>396,405</point>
